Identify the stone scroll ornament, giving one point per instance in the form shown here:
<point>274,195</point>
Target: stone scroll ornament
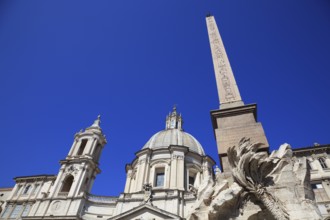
<point>252,170</point>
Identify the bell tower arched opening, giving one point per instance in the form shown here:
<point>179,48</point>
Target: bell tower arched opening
<point>67,184</point>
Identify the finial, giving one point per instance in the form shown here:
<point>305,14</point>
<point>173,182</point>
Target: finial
<point>97,122</point>
<point>174,110</point>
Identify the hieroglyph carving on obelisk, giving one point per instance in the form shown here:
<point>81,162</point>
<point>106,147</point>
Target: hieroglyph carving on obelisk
<point>228,92</point>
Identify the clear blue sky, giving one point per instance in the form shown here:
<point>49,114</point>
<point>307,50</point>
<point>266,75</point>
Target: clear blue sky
<point>64,62</point>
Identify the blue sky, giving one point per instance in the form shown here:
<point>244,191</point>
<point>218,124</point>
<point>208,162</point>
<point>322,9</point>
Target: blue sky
<point>64,62</point>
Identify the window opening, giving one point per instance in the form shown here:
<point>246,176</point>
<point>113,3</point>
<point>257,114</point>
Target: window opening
<point>322,162</point>
<point>6,212</point>
<point>160,179</point>
<point>160,175</point>
<point>320,193</point>
<point>26,210</point>
<point>82,146</point>
<point>27,189</point>
<point>86,181</point>
<point>191,180</point>
<point>16,211</point>
<point>317,186</point>
<point>67,184</point>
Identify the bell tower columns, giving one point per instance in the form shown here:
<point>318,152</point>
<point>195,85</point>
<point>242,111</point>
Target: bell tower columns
<point>76,175</point>
<point>81,165</point>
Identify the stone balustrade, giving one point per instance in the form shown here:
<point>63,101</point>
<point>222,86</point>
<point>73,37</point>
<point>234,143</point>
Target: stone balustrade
<point>102,199</point>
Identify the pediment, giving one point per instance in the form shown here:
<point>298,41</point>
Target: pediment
<point>145,212</point>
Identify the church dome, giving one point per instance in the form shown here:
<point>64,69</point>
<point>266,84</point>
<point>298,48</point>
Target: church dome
<point>165,138</point>
<point>174,135</point>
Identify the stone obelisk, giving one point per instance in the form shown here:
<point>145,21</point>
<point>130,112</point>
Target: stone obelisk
<point>233,120</point>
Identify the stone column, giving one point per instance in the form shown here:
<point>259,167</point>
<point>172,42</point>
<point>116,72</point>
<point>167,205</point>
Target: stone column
<point>139,176</point>
<point>128,181</point>
<point>180,172</point>
<point>327,160</point>
<point>58,182</point>
<point>146,170</point>
<point>90,146</point>
<point>72,147</point>
<point>173,184</point>
<point>76,147</point>
<point>167,176</point>
<point>14,191</point>
<point>92,180</point>
<point>78,180</point>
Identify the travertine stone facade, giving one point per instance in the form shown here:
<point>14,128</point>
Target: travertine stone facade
<point>319,165</point>
<point>4,195</point>
<point>162,180</point>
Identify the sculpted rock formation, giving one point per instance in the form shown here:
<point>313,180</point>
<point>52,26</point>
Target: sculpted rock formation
<point>262,186</point>
<point>252,171</point>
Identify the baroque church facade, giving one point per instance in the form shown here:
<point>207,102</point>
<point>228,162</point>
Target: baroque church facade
<point>172,177</point>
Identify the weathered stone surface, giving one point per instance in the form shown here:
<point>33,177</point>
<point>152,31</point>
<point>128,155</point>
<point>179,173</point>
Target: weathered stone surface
<point>229,95</point>
<point>264,187</point>
<point>231,125</point>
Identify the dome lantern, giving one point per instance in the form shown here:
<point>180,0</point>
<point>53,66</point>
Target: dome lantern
<point>173,135</point>
<point>174,120</point>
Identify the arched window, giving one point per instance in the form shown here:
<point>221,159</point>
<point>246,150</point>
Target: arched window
<point>322,162</point>
<point>27,189</point>
<point>82,146</point>
<point>67,184</point>
<point>192,178</point>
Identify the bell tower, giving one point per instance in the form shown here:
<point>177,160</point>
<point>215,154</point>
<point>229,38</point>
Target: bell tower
<point>77,173</point>
<point>88,144</point>
<point>80,167</point>
<point>234,119</point>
